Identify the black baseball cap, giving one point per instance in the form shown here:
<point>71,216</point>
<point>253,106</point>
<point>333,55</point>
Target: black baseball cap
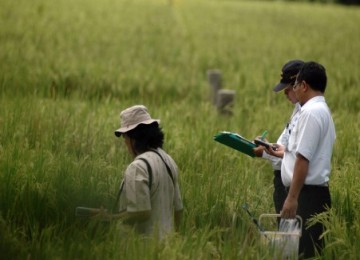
<point>288,74</point>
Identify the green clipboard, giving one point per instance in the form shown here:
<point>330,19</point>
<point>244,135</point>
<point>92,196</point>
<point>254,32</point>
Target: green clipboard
<point>236,142</point>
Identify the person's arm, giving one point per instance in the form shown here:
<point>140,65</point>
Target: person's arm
<point>125,216</point>
<point>300,172</point>
<point>258,150</point>
<point>132,217</point>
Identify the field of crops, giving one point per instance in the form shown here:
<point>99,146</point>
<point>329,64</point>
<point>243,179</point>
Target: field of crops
<point>69,67</point>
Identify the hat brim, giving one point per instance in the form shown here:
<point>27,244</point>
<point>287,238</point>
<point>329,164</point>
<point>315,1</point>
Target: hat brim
<point>280,86</point>
<point>125,129</point>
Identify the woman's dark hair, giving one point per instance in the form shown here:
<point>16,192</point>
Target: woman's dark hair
<point>147,137</point>
<point>314,74</point>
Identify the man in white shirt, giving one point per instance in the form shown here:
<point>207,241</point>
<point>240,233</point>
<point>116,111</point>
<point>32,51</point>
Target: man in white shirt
<point>306,163</point>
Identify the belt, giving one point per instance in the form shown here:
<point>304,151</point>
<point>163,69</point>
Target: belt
<point>311,187</point>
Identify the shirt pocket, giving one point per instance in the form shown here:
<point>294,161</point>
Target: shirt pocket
<point>292,143</point>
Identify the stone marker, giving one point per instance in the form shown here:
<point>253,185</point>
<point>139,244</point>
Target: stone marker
<point>225,99</point>
<point>214,77</point>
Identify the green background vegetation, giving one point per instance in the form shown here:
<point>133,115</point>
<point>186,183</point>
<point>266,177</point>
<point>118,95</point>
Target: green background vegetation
<point>69,67</point>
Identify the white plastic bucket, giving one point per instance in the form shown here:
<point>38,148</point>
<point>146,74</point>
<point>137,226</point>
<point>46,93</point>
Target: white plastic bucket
<point>284,242</point>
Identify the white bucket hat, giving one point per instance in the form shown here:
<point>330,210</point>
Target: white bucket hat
<point>132,117</point>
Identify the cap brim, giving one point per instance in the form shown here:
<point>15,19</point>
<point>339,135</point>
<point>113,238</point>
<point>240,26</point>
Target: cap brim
<point>280,87</point>
<point>123,130</point>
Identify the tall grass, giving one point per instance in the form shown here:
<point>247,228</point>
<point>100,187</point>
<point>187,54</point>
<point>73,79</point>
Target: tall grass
<point>69,67</point>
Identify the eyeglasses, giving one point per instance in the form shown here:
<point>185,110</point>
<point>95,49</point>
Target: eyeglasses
<point>296,84</point>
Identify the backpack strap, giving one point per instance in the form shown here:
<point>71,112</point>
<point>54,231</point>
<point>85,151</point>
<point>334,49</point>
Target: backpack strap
<point>122,184</point>
<point>167,166</point>
<point>149,171</point>
<point>118,197</point>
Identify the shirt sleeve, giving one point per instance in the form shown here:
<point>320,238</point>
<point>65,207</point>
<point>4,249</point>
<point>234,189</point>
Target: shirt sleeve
<point>275,161</point>
<point>137,189</point>
<point>308,136</point>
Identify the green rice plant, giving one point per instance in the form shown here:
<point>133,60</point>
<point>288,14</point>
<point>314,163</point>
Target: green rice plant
<point>68,69</point>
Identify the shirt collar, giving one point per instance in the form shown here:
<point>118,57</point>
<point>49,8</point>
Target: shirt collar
<point>313,100</point>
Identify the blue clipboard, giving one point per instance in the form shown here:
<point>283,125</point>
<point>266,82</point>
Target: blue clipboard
<point>236,142</point>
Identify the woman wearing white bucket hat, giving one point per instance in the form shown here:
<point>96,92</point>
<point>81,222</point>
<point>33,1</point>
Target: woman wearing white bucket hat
<point>149,197</point>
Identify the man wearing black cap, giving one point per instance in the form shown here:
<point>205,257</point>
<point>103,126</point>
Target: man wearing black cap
<point>288,77</point>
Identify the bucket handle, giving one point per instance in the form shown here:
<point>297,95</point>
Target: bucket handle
<point>268,215</point>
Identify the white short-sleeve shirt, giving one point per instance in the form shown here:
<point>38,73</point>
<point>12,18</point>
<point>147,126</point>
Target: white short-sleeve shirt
<point>313,137</point>
<point>284,138</point>
<point>162,199</point>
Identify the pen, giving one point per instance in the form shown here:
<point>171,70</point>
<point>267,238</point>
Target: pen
<point>263,135</point>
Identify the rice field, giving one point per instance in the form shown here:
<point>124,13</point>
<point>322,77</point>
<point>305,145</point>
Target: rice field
<point>69,67</point>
